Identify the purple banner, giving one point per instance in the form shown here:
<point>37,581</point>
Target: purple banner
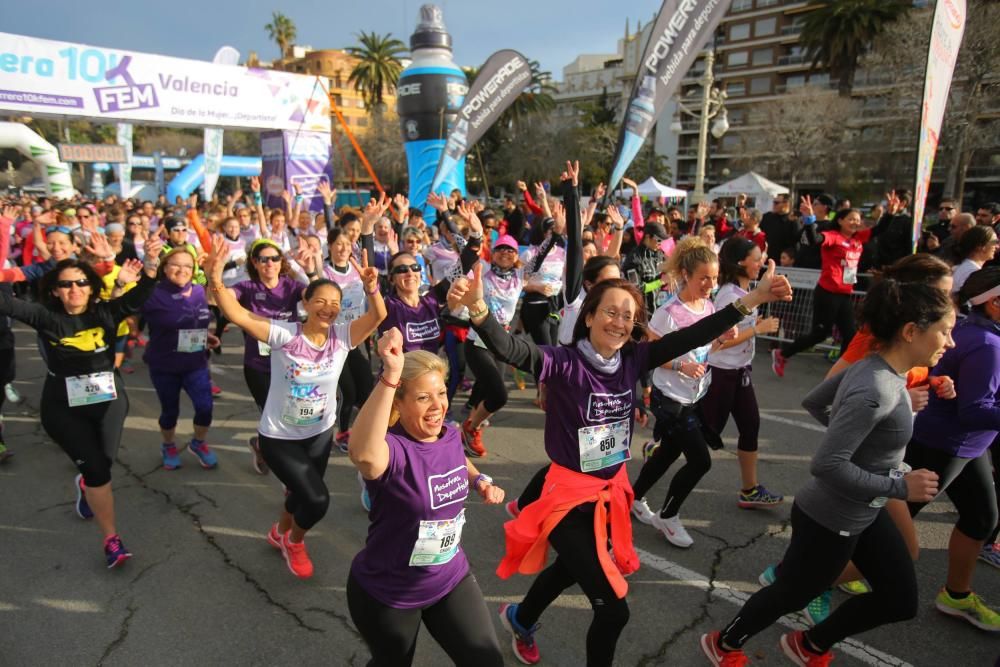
<point>295,158</point>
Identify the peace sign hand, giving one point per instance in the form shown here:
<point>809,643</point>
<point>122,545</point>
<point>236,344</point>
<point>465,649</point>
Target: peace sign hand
<point>369,274</point>
<point>806,206</point>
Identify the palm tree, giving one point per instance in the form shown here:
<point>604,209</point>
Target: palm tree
<point>281,30</point>
<point>838,32</point>
<point>378,68</point>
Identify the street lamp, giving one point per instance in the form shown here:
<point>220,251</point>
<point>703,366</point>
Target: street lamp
<point>713,102</point>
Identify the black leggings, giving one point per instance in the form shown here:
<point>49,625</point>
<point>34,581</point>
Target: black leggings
<point>459,622</point>
<point>355,385</point>
<point>576,563</point>
<point>829,309</point>
<point>300,465</point>
<point>489,387</point>
<point>535,316</point>
<point>968,483</point>
<point>533,491</point>
<point>678,430</point>
<point>995,460</point>
<point>89,434</point>
<point>731,393</point>
<point>259,383</point>
<point>814,559</point>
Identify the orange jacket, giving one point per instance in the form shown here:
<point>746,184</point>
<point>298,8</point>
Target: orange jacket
<point>527,535</point>
<point>864,343</point>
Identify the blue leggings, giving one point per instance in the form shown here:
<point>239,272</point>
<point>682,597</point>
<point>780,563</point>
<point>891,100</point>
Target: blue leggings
<point>168,385</point>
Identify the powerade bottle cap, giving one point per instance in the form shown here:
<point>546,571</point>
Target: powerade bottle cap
<point>431,32</point>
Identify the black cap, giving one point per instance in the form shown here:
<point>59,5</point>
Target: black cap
<point>825,200</point>
<point>175,222</point>
<point>430,32</point>
<point>656,229</point>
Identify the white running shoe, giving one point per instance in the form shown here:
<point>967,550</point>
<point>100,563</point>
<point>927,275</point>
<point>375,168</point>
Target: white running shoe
<point>641,511</point>
<point>673,530</point>
<point>12,394</point>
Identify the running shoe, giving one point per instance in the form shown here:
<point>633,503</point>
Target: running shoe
<point>648,448</point>
<point>793,644</point>
<point>216,389</point>
<point>342,439</point>
<point>718,657</point>
<point>473,440</point>
<point>518,379</point>
<point>833,355</point>
<point>778,362</point>
<point>641,511</point>
<point>818,609</point>
<point>5,453</point>
<point>127,368</point>
<point>274,537</point>
<point>115,552</point>
<point>296,557</point>
<point>759,497</point>
<point>972,608</point>
<point>513,511</point>
<point>522,640</point>
<point>366,500</point>
<point>206,457</point>
<point>171,457</point>
<point>989,555</point>
<point>259,465</point>
<point>768,576</point>
<point>856,587</point>
<point>12,394</point>
<point>82,506</point>
<point>673,530</point>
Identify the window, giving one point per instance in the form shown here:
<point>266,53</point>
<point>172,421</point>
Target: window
<point>731,143</point>
<point>736,116</point>
<point>736,89</point>
<point>361,104</point>
<point>741,5</point>
<point>737,59</point>
<point>761,4</point>
<point>796,81</point>
<point>739,31</point>
<point>763,57</point>
<point>765,27</point>
<point>760,85</point>
<point>820,79</point>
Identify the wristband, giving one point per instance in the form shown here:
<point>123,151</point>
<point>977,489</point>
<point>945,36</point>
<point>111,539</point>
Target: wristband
<point>381,378</point>
<point>217,288</point>
<point>479,313</point>
<point>741,308</point>
<point>119,284</point>
<point>257,199</point>
<point>675,365</point>
<point>483,478</point>
<point>373,292</point>
<point>300,198</point>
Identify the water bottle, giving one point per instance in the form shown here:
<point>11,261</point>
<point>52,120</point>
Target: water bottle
<point>429,95</point>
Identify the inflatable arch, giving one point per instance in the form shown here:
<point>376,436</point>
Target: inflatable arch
<point>56,174</point>
<point>193,175</point>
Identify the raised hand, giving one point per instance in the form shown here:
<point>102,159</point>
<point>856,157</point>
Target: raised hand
<point>99,247</point>
<point>374,210</point>
<point>701,210</point>
<point>216,260</point>
<point>466,292</point>
<point>306,259</point>
<point>193,201</point>
<point>522,186</point>
<point>615,216</point>
<point>392,242</point>
<point>255,184</point>
<point>893,203</point>
<point>129,272</point>
<point>629,183</point>
<point>539,191</point>
<point>438,201</point>
<point>151,257</point>
<point>559,215</point>
<point>298,189</point>
<point>329,195</point>
<point>773,287</point>
<point>467,211</point>
<point>572,172</point>
<point>10,212</point>
<point>402,204</point>
<point>390,350</point>
<point>600,191</point>
<point>237,196</point>
<point>369,274</point>
<point>286,196</point>
<point>806,205</point>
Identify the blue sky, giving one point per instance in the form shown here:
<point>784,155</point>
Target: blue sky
<point>550,31</point>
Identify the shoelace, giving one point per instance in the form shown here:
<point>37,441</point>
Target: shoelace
<point>114,544</point>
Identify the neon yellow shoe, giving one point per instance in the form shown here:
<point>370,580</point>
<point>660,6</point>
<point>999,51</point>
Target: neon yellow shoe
<point>972,608</point>
<point>856,587</point>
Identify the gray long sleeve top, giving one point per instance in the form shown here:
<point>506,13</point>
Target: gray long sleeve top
<point>869,420</point>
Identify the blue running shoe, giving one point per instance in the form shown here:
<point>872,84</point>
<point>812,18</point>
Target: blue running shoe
<point>115,552</point>
<point>522,640</point>
<point>758,496</point>
<point>171,457</point>
<point>818,610</point>
<point>648,448</point>
<point>82,508</point>
<point>206,457</point>
<point>768,576</point>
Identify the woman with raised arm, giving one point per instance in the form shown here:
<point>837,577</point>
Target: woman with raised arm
<point>413,568</point>
<point>83,405</point>
<point>296,427</point>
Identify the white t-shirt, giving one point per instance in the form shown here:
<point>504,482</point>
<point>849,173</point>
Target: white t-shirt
<point>568,317</point>
<point>302,401</point>
<point>238,254</point>
<point>962,272</point>
<point>673,316</point>
<point>501,298</point>
<point>738,356</point>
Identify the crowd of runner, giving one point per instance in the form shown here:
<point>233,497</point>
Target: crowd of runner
<point>361,326</point>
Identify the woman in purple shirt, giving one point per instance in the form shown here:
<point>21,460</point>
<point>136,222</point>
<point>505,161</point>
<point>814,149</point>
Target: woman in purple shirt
<point>413,568</point>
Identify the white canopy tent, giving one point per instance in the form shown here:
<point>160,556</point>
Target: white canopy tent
<point>754,186</point>
<point>653,188</point>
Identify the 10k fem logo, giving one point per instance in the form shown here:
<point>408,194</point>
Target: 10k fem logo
<point>128,97</point>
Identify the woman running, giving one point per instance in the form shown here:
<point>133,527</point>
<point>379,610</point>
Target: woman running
<point>412,568</point>
<point>296,427</point>
<point>839,514</point>
<point>83,403</point>
<point>177,355</point>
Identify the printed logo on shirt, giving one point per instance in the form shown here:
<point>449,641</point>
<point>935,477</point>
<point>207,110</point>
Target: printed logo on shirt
<point>602,407</point>
<point>88,340</point>
<point>421,331</point>
<point>450,488</point>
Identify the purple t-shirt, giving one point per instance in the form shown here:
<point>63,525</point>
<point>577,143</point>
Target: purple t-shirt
<point>413,555</point>
<point>277,304</point>
<point>178,328</point>
<point>420,326</point>
<point>596,409</point>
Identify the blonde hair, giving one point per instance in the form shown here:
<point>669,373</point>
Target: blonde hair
<point>416,364</point>
<point>688,254</point>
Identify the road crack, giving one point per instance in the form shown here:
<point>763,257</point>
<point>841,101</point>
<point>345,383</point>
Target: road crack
<point>130,610</point>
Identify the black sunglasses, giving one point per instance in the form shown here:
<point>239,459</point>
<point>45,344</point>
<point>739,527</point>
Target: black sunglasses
<point>404,268</point>
<point>66,284</point>
<point>268,259</point>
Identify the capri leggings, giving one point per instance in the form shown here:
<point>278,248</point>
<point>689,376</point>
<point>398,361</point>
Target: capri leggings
<point>829,309</point>
<point>300,465</point>
<point>489,387</point>
<point>259,383</point>
<point>355,386</point>
<point>454,339</point>
<point>168,385</point>
<point>968,483</point>
<point>459,622</point>
<point>535,316</point>
<point>89,434</point>
<point>731,392</point>
<point>678,430</point>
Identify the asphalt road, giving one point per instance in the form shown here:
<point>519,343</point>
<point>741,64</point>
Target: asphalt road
<point>205,588</point>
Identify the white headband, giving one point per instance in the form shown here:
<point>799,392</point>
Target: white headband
<point>980,299</point>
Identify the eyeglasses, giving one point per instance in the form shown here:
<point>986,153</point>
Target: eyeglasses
<point>61,229</point>
<point>613,315</point>
<point>268,259</point>
<point>404,268</point>
<point>66,284</point>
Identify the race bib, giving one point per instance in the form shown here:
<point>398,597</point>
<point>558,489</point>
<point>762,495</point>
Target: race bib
<point>437,541</point>
<point>89,389</point>
<point>604,445</point>
<point>850,275</point>
<point>352,302</point>
<point>304,410</point>
<point>192,340</point>
<point>263,349</point>
<point>894,473</point>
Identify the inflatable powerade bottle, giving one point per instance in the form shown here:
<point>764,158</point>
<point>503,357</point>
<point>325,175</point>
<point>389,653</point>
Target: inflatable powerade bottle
<point>429,95</point>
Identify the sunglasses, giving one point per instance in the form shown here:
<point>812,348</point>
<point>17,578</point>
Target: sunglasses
<point>405,268</point>
<point>62,229</point>
<point>269,259</point>
<point>66,284</point>
<point>132,224</point>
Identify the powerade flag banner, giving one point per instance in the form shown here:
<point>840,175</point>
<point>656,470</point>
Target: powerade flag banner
<point>946,37</point>
<point>680,32</point>
<point>500,80</point>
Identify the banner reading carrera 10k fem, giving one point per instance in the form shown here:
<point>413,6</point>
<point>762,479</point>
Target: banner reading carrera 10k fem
<point>946,37</point>
<point>500,80</point>
<point>46,77</point>
<point>679,33</point>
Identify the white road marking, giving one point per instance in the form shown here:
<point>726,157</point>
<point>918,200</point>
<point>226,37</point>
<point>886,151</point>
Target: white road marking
<point>809,426</point>
<point>854,648</point>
